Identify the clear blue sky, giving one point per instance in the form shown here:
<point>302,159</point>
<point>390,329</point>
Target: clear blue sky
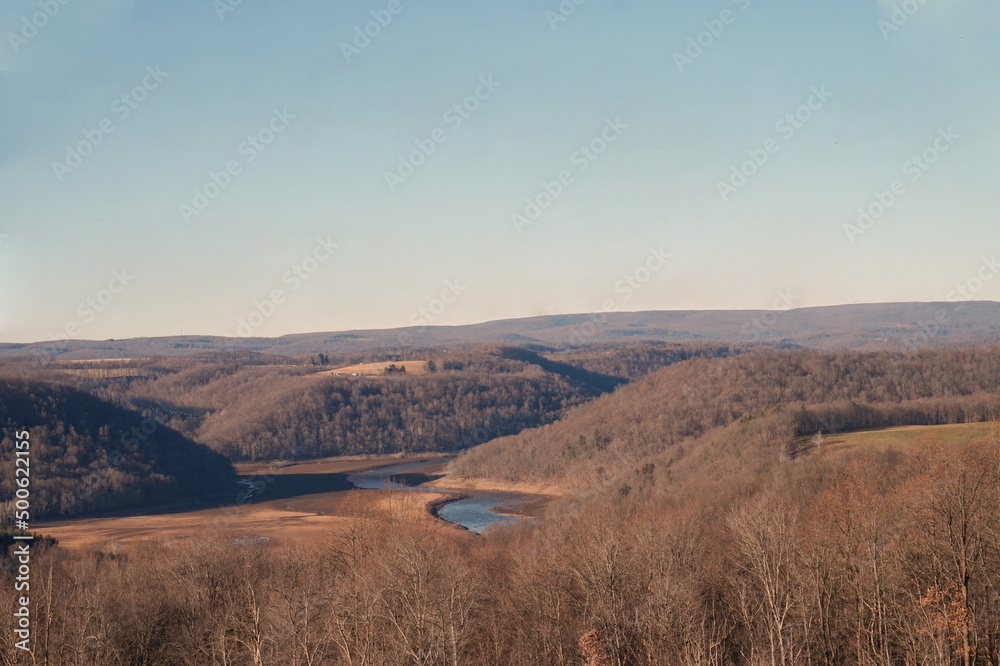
<point>675,128</point>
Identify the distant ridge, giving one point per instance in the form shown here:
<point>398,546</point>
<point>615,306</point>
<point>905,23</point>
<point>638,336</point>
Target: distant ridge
<point>863,326</point>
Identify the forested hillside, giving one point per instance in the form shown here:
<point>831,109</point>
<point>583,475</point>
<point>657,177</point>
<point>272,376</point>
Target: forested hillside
<point>743,557</point>
<point>699,531</point>
<point>89,455</point>
<point>638,360</point>
<point>251,407</point>
<point>819,391</point>
<point>254,406</point>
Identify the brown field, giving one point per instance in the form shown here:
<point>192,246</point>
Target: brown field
<point>288,516</point>
<point>903,436</point>
<point>412,368</point>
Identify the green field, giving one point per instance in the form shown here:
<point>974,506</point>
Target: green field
<point>958,433</point>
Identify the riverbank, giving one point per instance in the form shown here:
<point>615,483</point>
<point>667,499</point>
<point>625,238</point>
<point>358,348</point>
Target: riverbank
<point>434,506</point>
<point>466,503</point>
<point>531,504</point>
<point>292,501</point>
<point>303,500</point>
<point>542,489</point>
<point>529,508</point>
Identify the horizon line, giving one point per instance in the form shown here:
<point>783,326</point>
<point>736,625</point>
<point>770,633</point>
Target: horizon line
<point>496,321</point>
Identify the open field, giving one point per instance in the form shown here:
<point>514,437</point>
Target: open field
<point>412,368</point>
<point>958,433</point>
<point>299,502</point>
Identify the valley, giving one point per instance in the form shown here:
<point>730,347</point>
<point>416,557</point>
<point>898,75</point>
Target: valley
<point>303,502</point>
<point>555,333</point>
<point>638,497</point>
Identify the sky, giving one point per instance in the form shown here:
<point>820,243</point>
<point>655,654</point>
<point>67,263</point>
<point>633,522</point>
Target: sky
<point>249,168</point>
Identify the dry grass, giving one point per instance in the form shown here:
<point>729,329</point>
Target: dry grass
<point>293,519</point>
<point>959,433</point>
<point>300,519</point>
<point>277,521</point>
<point>369,369</point>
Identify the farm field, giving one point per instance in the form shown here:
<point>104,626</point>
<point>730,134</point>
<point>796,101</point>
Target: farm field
<point>412,368</point>
<point>904,436</point>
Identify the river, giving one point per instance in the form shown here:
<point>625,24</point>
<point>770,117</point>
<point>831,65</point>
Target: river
<point>473,512</point>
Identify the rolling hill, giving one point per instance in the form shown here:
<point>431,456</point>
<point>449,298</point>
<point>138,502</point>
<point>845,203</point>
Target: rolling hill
<point>864,326</point>
<point>251,409</point>
<point>662,416</point>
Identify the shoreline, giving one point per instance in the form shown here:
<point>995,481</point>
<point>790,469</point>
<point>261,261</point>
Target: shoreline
<point>434,507</point>
<point>542,490</point>
<point>529,509</point>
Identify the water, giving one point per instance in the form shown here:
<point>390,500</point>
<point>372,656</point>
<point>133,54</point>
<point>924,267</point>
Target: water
<point>379,478</point>
<point>474,512</point>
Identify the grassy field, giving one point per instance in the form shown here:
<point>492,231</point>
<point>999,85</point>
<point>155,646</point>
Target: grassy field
<point>958,433</point>
<point>412,368</point>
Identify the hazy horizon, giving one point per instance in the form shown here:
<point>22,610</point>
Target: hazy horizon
<point>175,169</point>
<point>756,326</point>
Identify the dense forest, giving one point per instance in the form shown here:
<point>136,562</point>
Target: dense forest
<point>823,392</point>
<point>257,407</point>
<point>89,455</point>
<point>638,360</point>
<point>741,557</point>
<point>269,412</point>
<point>695,527</point>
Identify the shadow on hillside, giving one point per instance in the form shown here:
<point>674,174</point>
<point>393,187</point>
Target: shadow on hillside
<point>250,489</point>
<point>595,382</point>
<point>283,486</point>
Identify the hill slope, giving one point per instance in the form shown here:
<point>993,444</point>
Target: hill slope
<point>89,455</point>
<point>660,415</point>
<point>278,410</point>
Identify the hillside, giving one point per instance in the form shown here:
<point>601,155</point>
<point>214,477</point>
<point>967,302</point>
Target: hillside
<point>252,407</point>
<point>89,455</point>
<point>725,549</point>
<point>865,326</point>
<point>661,415</point>
<point>632,361</point>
